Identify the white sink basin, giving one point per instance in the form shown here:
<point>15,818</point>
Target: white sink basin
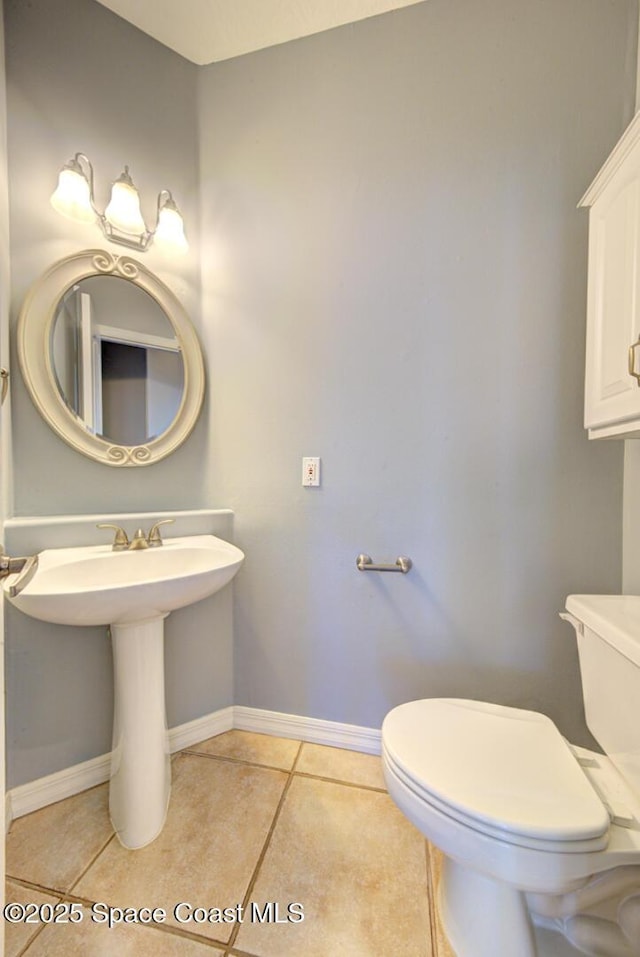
<point>94,585</point>
<point>132,592</point>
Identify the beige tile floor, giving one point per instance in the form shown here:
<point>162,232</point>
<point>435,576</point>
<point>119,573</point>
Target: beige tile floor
<point>254,822</point>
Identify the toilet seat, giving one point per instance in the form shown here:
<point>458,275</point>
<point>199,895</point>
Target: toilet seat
<point>504,772</point>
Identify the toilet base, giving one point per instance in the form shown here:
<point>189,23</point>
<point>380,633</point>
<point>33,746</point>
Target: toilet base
<point>483,917</point>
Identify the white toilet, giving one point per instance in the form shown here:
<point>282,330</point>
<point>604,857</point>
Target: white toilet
<point>534,830</point>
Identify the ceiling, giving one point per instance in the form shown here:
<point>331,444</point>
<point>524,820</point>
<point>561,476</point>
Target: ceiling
<point>205,31</point>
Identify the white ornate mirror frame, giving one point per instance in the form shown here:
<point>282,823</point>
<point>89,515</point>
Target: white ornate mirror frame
<point>35,324</point>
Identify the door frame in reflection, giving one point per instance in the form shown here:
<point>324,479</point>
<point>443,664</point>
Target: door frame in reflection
<point>93,335</point>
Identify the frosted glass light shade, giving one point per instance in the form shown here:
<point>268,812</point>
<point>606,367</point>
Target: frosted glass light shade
<point>170,229</point>
<point>123,211</point>
<point>72,196</point>
<point>122,220</point>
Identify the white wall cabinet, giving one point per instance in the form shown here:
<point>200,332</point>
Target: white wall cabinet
<point>612,382</point>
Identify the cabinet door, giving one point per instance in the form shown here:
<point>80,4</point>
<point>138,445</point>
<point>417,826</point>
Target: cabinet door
<point>611,393</point>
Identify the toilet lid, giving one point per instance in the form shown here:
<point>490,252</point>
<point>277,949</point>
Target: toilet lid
<point>509,768</point>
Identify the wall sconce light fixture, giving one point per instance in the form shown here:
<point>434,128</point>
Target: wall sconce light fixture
<point>122,220</point>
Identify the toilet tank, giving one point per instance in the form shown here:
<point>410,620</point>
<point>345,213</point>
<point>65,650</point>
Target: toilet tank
<point>608,633</point>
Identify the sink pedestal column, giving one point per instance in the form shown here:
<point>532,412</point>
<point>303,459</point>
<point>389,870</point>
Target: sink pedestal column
<point>140,761</point>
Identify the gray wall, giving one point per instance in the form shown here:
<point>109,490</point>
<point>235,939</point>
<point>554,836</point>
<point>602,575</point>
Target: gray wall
<point>631,519</point>
<point>394,278</point>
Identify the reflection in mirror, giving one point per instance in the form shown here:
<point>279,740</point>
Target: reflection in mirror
<point>111,359</point>
<point>116,360</point>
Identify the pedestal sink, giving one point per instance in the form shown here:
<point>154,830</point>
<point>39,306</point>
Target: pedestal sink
<point>132,592</point>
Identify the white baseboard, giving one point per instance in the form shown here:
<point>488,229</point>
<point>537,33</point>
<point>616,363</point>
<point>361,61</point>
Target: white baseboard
<point>54,787</point>
<point>184,735</point>
<point>30,797</point>
<point>315,730</point>
<point>8,813</point>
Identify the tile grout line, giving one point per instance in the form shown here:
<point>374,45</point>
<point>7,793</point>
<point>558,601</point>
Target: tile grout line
<point>346,784</point>
<point>70,896</point>
<point>112,837</point>
<point>273,767</point>
<point>211,943</point>
<point>62,895</point>
<point>239,953</point>
<point>229,759</point>
<point>59,892</point>
<point>31,940</point>
<point>159,928</point>
<point>431,901</point>
<point>34,886</point>
<point>265,847</point>
<point>42,890</point>
<point>297,758</point>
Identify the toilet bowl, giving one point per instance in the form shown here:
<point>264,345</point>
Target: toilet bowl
<point>535,832</point>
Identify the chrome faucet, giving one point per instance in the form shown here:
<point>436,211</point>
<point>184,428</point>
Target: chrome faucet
<point>121,541</point>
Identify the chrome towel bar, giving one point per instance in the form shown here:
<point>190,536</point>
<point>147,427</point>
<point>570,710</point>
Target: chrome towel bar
<point>364,563</point>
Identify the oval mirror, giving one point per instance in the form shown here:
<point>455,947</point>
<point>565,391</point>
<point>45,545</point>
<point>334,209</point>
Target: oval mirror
<point>111,359</point>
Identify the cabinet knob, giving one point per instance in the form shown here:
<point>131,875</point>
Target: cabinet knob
<point>632,361</point>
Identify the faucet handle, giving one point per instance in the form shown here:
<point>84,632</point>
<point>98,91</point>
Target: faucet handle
<point>154,537</point>
<point>121,540</point>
